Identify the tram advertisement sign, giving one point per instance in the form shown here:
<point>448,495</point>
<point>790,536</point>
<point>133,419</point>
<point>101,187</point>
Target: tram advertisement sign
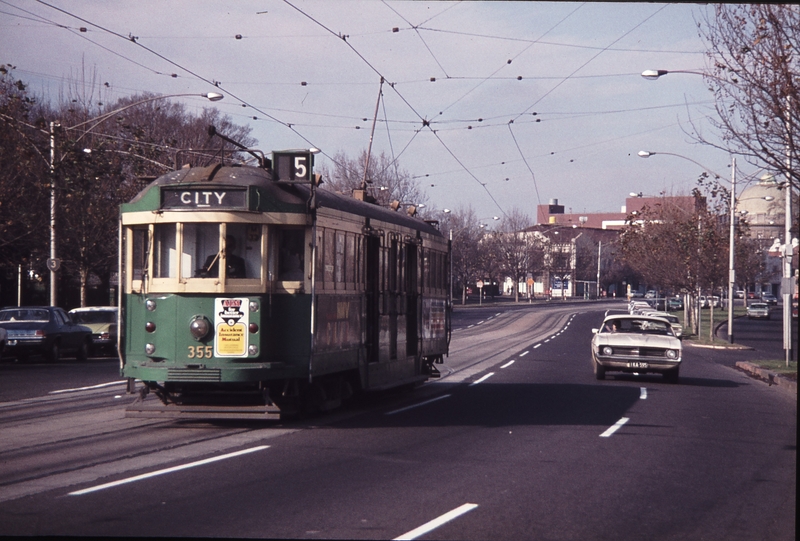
<point>231,321</point>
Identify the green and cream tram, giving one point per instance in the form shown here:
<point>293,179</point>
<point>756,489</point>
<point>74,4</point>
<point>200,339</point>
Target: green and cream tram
<point>246,291</point>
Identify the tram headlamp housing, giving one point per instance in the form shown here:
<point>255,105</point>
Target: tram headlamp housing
<point>252,349</point>
<point>253,306</point>
<point>199,328</point>
<point>150,304</point>
<point>149,349</point>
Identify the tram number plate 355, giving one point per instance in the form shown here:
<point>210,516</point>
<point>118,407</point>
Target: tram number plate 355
<point>637,365</point>
<point>201,352</point>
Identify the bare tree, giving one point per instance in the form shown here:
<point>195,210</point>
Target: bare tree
<point>463,227</point>
<point>385,180</point>
<point>753,69</point>
<point>518,252</point>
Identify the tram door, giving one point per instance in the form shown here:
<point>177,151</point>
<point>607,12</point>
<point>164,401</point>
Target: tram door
<point>392,298</point>
<point>412,325</point>
<point>372,261</point>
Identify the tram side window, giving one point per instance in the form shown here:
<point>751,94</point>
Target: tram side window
<point>139,252</point>
<point>350,258</point>
<point>339,259</point>
<point>165,256</point>
<point>328,256</point>
<point>291,258</point>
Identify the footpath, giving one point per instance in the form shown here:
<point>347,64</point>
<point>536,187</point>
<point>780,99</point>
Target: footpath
<point>770,377</point>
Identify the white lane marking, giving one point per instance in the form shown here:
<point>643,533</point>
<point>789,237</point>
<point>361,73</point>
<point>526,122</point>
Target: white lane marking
<point>470,326</point>
<point>536,346</point>
<point>167,470</point>
<point>417,405</point>
<point>614,428</point>
<point>99,386</point>
<point>524,353</point>
<point>484,378</point>
<point>498,313</point>
<point>509,363</point>
<point>643,393</point>
<point>435,523</point>
<point>478,323</point>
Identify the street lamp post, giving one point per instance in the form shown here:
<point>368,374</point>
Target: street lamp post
<point>54,263</point>
<point>731,271</point>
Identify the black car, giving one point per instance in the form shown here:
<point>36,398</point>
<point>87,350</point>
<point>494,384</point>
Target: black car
<point>43,330</point>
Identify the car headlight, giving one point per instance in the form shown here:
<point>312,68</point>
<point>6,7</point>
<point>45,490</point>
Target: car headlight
<point>672,354</point>
<point>607,350</point>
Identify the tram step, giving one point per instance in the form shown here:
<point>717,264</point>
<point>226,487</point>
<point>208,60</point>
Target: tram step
<point>174,411</point>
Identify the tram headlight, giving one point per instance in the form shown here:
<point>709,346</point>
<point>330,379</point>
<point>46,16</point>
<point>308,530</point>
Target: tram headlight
<point>252,349</point>
<point>253,306</point>
<point>150,304</point>
<point>149,349</point>
<point>199,327</point>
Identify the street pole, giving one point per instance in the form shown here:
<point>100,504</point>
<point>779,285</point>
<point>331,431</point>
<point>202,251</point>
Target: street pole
<point>52,263</point>
<point>731,270</point>
<point>599,249</point>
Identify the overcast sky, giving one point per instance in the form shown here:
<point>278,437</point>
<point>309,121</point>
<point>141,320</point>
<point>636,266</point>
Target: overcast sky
<point>531,101</point>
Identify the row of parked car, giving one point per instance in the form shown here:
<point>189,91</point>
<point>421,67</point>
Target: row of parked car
<point>51,332</point>
<point>644,308</point>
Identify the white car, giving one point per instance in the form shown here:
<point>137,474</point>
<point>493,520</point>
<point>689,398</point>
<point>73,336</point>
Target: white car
<point>677,328</point>
<point>629,343</point>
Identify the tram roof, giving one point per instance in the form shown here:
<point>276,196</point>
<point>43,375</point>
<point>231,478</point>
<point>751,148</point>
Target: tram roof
<point>283,192</point>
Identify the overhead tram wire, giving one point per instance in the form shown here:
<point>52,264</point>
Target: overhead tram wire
<point>215,84</point>
<point>511,132</point>
<point>531,44</point>
<point>425,122</point>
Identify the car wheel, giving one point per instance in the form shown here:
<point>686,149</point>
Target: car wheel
<point>599,371</point>
<point>83,352</point>
<point>54,353</point>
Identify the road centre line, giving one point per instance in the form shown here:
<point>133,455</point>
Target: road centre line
<point>416,405</point>
<point>440,521</point>
<point>524,353</point>
<point>643,393</point>
<point>484,378</point>
<point>509,363</point>
<point>98,386</point>
<point>617,426</point>
<point>167,470</point>
<point>536,346</point>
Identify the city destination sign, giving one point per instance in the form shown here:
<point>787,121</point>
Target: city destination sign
<point>203,198</point>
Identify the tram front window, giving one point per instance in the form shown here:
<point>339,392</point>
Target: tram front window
<point>203,253</point>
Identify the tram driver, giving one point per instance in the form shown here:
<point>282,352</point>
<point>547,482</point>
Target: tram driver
<point>234,265</point>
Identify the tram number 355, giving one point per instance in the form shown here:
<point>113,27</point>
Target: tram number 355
<point>201,352</point>
<point>292,165</point>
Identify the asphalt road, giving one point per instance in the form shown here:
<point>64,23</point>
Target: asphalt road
<point>516,441</point>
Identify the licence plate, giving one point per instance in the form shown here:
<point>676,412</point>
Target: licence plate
<point>637,365</point>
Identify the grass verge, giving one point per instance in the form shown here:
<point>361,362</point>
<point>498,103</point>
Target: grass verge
<point>779,367</point>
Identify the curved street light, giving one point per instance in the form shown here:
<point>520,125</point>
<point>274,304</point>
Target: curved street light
<point>731,240</point>
<point>53,263</point>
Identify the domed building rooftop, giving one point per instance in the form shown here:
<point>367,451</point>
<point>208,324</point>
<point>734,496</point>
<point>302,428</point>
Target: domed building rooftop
<point>763,207</point>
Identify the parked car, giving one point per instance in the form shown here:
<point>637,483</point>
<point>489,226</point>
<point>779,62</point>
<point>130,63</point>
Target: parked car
<point>758,310</point>
<point>769,298</point>
<point>44,330</point>
<point>674,303</point>
<point>751,294</point>
<point>714,300</point>
<point>637,305</point>
<point>704,302</point>
<point>627,343</point>
<point>3,338</point>
<point>739,293</point>
<point>674,322</point>
<point>102,320</point>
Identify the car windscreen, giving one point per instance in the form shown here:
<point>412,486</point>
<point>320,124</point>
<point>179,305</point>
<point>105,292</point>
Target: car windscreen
<point>22,314</point>
<point>639,326</point>
<point>99,316</point>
